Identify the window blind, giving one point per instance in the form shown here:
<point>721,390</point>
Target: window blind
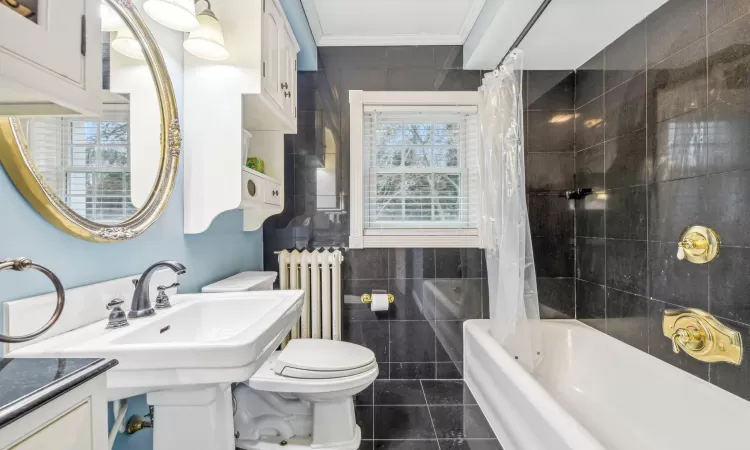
<point>421,168</point>
<point>86,161</point>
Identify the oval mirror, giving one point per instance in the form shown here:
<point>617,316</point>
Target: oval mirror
<point>105,178</point>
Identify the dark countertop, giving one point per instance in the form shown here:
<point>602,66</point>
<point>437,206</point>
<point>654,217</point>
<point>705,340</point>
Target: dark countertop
<point>26,384</point>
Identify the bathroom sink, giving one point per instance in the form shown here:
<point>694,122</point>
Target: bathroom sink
<point>203,339</point>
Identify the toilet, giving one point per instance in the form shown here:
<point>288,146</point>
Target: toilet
<point>302,396</point>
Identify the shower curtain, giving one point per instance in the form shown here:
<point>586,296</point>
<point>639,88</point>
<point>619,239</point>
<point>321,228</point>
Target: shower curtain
<point>506,237</point>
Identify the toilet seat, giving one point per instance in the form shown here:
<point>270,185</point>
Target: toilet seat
<point>316,366</point>
<point>317,358</point>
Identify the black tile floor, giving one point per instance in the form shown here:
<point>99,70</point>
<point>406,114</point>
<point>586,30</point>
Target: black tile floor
<point>422,415</point>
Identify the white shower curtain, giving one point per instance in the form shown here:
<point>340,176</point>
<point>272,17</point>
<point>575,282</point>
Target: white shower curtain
<point>506,237</point>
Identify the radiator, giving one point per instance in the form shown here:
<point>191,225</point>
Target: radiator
<point>318,273</point>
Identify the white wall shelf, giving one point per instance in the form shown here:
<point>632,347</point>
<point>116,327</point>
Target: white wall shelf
<point>255,89</point>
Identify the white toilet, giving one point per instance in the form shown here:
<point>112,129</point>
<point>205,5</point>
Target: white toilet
<point>301,398</point>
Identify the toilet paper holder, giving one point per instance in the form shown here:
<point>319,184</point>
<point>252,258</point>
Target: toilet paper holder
<point>367,298</point>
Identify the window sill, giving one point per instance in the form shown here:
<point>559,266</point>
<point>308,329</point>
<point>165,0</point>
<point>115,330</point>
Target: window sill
<point>420,239</point>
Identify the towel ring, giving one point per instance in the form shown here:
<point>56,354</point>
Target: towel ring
<point>19,265</point>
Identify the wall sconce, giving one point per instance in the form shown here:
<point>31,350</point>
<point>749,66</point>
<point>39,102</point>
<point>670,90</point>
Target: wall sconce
<point>111,21</point>
<point>127,44</point>
<point>207,41</point>
<point>175,14</point>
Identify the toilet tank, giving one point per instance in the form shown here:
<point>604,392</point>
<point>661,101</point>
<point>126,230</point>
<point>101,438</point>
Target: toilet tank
<point>245,281</point>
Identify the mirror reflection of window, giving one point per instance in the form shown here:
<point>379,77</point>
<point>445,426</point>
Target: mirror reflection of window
<point>26,8</point>
<point>87,161</point>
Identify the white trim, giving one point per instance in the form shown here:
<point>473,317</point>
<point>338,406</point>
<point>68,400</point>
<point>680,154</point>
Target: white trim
<point>418,242</point>
<point>391,40</point>
<point>356,165</point>
<point>421,98</point>
<point>322,40</point>
<point>457,109</point>
<point>405,232</point>
<point>398,237</point>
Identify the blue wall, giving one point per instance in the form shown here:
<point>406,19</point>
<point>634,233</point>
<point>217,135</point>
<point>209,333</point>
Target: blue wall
<point>221,251</point>
<point>307,59</point>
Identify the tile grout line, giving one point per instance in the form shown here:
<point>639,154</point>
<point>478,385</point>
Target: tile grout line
<point>604,175</point>
<point>649,169</point>
<point>708,175</point>
<point>427,404</point>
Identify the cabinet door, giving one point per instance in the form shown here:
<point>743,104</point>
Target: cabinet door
<point>272,25</point>
<point>289,75</point>
<point>293,87</point>
<point>52,38</point>
<point>69,432</point>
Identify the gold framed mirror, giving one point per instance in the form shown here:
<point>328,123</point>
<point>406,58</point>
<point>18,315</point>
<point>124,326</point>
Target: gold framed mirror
<point>76,172</point>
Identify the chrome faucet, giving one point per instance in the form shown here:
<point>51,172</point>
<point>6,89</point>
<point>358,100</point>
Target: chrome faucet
<point>141,306</point>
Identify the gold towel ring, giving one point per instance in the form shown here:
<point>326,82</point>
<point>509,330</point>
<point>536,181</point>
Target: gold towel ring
<point>21,264</point>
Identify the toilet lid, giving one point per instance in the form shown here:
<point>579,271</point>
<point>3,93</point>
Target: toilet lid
<point>319,358</point>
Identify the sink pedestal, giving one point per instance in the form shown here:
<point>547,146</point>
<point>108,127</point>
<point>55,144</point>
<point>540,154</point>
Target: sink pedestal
<point>193,419</point>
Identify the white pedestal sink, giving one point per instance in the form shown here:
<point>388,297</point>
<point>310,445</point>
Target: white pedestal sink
<point>185,358</point>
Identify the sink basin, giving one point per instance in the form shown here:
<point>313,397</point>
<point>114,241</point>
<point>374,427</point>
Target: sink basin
<point>204,339</point>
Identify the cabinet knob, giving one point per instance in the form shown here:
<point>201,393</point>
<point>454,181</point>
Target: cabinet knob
<point>284,85</point>
<point>287,94</point>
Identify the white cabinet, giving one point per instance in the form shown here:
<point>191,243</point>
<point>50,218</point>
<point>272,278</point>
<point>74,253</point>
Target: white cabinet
<point>275,108</point>
<point>254,89</point>
<point>51,64</point>
<point>288,76</point>
<point>77,420</point>
<point>279,65</point>
<point>273,46</point>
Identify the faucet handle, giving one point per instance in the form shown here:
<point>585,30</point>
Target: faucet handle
<point>162,300</point>
<point>164,288</point>
<point>115,303</point>
<point>117,317</point>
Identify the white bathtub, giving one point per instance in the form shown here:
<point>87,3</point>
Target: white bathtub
<point>594,392</point>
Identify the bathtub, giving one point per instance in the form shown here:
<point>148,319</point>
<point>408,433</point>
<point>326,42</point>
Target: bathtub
<point>594,392</point>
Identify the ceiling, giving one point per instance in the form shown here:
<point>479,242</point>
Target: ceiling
<point>391,22</point>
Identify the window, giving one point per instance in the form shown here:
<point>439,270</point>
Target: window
<point>415,175</point>
<point>86,161</point>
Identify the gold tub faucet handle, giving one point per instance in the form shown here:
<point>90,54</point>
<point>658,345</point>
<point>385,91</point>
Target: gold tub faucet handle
<point>684,336</point>
<point>698,245</point>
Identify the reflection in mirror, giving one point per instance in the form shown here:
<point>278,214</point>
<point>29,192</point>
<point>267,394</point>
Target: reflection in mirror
<point>106,178</point>
<point>86,161</point>
<point>93,163</point>
<point>26,8</point>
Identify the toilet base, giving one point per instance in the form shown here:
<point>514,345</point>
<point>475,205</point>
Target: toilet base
<point>295,443</point>
<point>263,420</point>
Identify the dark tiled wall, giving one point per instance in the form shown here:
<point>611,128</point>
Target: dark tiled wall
<point>435,289</point>
<point>550,132</point>
<point>662,135</point>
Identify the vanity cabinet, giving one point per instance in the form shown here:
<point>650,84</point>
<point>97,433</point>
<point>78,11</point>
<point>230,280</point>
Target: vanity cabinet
<point>255,90</point>
<point>50,62</point>
<point>76,420</point>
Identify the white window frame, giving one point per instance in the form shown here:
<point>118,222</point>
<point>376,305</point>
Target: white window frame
<point>359,237</point>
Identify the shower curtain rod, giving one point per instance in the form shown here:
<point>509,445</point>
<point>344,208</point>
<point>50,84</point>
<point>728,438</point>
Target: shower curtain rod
<point>526,30</point>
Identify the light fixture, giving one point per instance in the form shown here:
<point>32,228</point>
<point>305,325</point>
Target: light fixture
<point>207,41</point>
<point>175,14</point>
<point>111,21</point>
<point>127,44</point>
